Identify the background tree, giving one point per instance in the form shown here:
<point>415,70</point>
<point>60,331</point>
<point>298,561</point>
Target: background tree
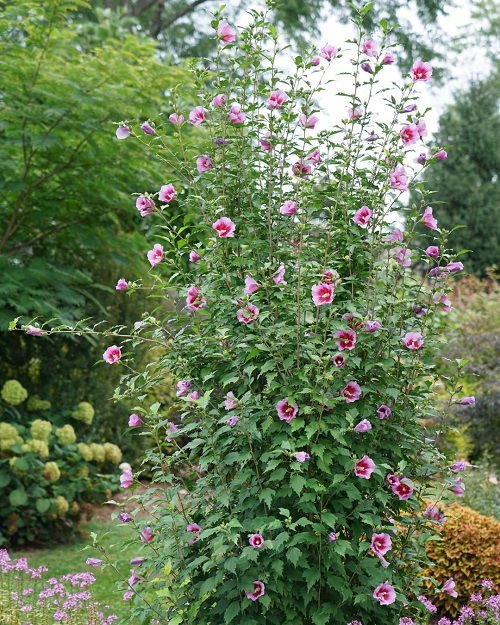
<point>468,184</point>
<point>182,27</point>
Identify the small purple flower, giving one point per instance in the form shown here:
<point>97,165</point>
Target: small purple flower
<point>383,411</point>
<point>301,456</point>
<point>468,401</point>
<point>372,137</point>
<point>373,326</point>
<point>125,517</point>
<point>137,561</point>
<point>332,537</point>
<point>366,67</point>
<point>363,426</point>
<point>408,108</point>
<point>339,360</point>
<point>93,562</point>
<point>233,420</point>
<point>454,267</point>
<point>459,466</point>
<point>220,141</point>
<point>421,158</point>
<point>147,129</point>
<point>122,132</point>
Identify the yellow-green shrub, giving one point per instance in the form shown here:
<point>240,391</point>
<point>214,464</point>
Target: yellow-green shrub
<point>66,435</point>
<point>84,412</point>
<point>13,392</point>
<point>41,429</point>
<point>469,552</point>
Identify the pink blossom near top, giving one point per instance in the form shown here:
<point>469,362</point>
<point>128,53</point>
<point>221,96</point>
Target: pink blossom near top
<point>383,411</point>
<point>236,115</point>
<point>93,562</point>
<point>332,537</point>
<point>421,71</point>
<point>364,468</point>
<point>388,59</point>
<point>403,256</point>
<point>413,340</point>
<point>351,392</point>
<point>396,235</point>
<point>126,479</point>
<point>338,360</point>
<point>458,487</point>
<point>259,589</point>
<point>328,52</point>
<point>392,479</point>
<point>112,354</point>
<point>454,267</point>
<point>121,285</point>
<point>314,156</point>
<point>363,426</point>
<point>449,588</point>
<point>432,251</point>
<point>355,113</point>
<point>155,255</point>
<point>372,325</point>
<point>399,179</point>
<point>346,339</point>
<point>315,60</point>
<point>219,100</point>
<point>381,544</point>
<point>195,299</point>
<point>384,594</point>
<point>323,293</point>
<point>226,33</point>
<point>308,121</point>
<point>403,489</point>
<point>286,412</point>
<point>134,420</point>
<point>428,219</point>
<point>288,208</point>
<point>301,168</point>
<point>194,256</point>
<point>175,118</point>
<point>370,47</point>
<point>247,314</point>
<point>468,401</point>
<point>443,300</point>
<point>147,535</point>
<point>224,227</point>
<point>197,116</point>
<point>442,155</point>
<point>122,132</point>
<point>421,127</point>
<point>230,403</point>
<point>250,285</point>
<point>167,193</point>
<point>276,99</point>
<point>256,541</point>
<point>203,163</point>
<point>183,387</point>
<point>362,216</point>
<point>194,529</point>
<point>458,466</point>
<point>147,129</point>
<point>145,205</point>
<point>409,135</point>
<point>279,276</point>
<point>34,331</point>
<point>301,456</point>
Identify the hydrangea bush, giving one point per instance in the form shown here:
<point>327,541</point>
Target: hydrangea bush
<point>49,481</point>
<point>302,342</point>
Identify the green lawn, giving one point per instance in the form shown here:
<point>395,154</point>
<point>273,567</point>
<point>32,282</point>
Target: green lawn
<point>71,559</point>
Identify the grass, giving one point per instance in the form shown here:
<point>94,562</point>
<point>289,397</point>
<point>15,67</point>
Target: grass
<point>71,559</point>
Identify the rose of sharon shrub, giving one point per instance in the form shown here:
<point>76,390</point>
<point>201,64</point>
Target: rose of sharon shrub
<point>279,434</point>
<point>468,552</point>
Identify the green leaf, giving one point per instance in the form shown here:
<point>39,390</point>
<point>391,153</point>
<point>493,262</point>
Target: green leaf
<point>293,555</point>
<point>18,497</point>
<point>42,505</point>
<point>232,611</point>
<point>297,483</point>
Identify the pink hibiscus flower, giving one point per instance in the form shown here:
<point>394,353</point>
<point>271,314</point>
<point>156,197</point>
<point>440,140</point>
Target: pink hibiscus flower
<point>362,216</point>
<point>328,52</point>
<point>236,115</point>
<point>399,179</point>
<point>145,205</point>
<point>409,135</point>
<point>167,193</point>
<point>381,544</point>
<point>195,299</point>
<point>197,116</point>
<point>279,276</point>
<point>276,99</point>
<point>364,468</point>
<point>403,489</point>
<point>384,594</point>
<point>421,71</point>
<point>363,426</point>
<point>112,354</point>
<point>247,314</point>
<point>250,285</point>
<point>256,541</point>
<point>226,33</point>
<point>259,589</point>
<point>224,227</point>
<point>286,412</point>
<point>323,293</point>
<point>121,285</point>
<point>413,340</point>
<point>351,392</point>
<point>288,208</point>
<point>370,47</point>
<point>428,219</point>
<point>230,403</point>
<point>346,339</point>
<point>219,100</point>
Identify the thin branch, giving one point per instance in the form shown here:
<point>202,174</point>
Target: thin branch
<point>159,26</point>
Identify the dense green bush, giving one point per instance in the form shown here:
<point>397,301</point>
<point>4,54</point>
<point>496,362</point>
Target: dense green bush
<point>49,480</point>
